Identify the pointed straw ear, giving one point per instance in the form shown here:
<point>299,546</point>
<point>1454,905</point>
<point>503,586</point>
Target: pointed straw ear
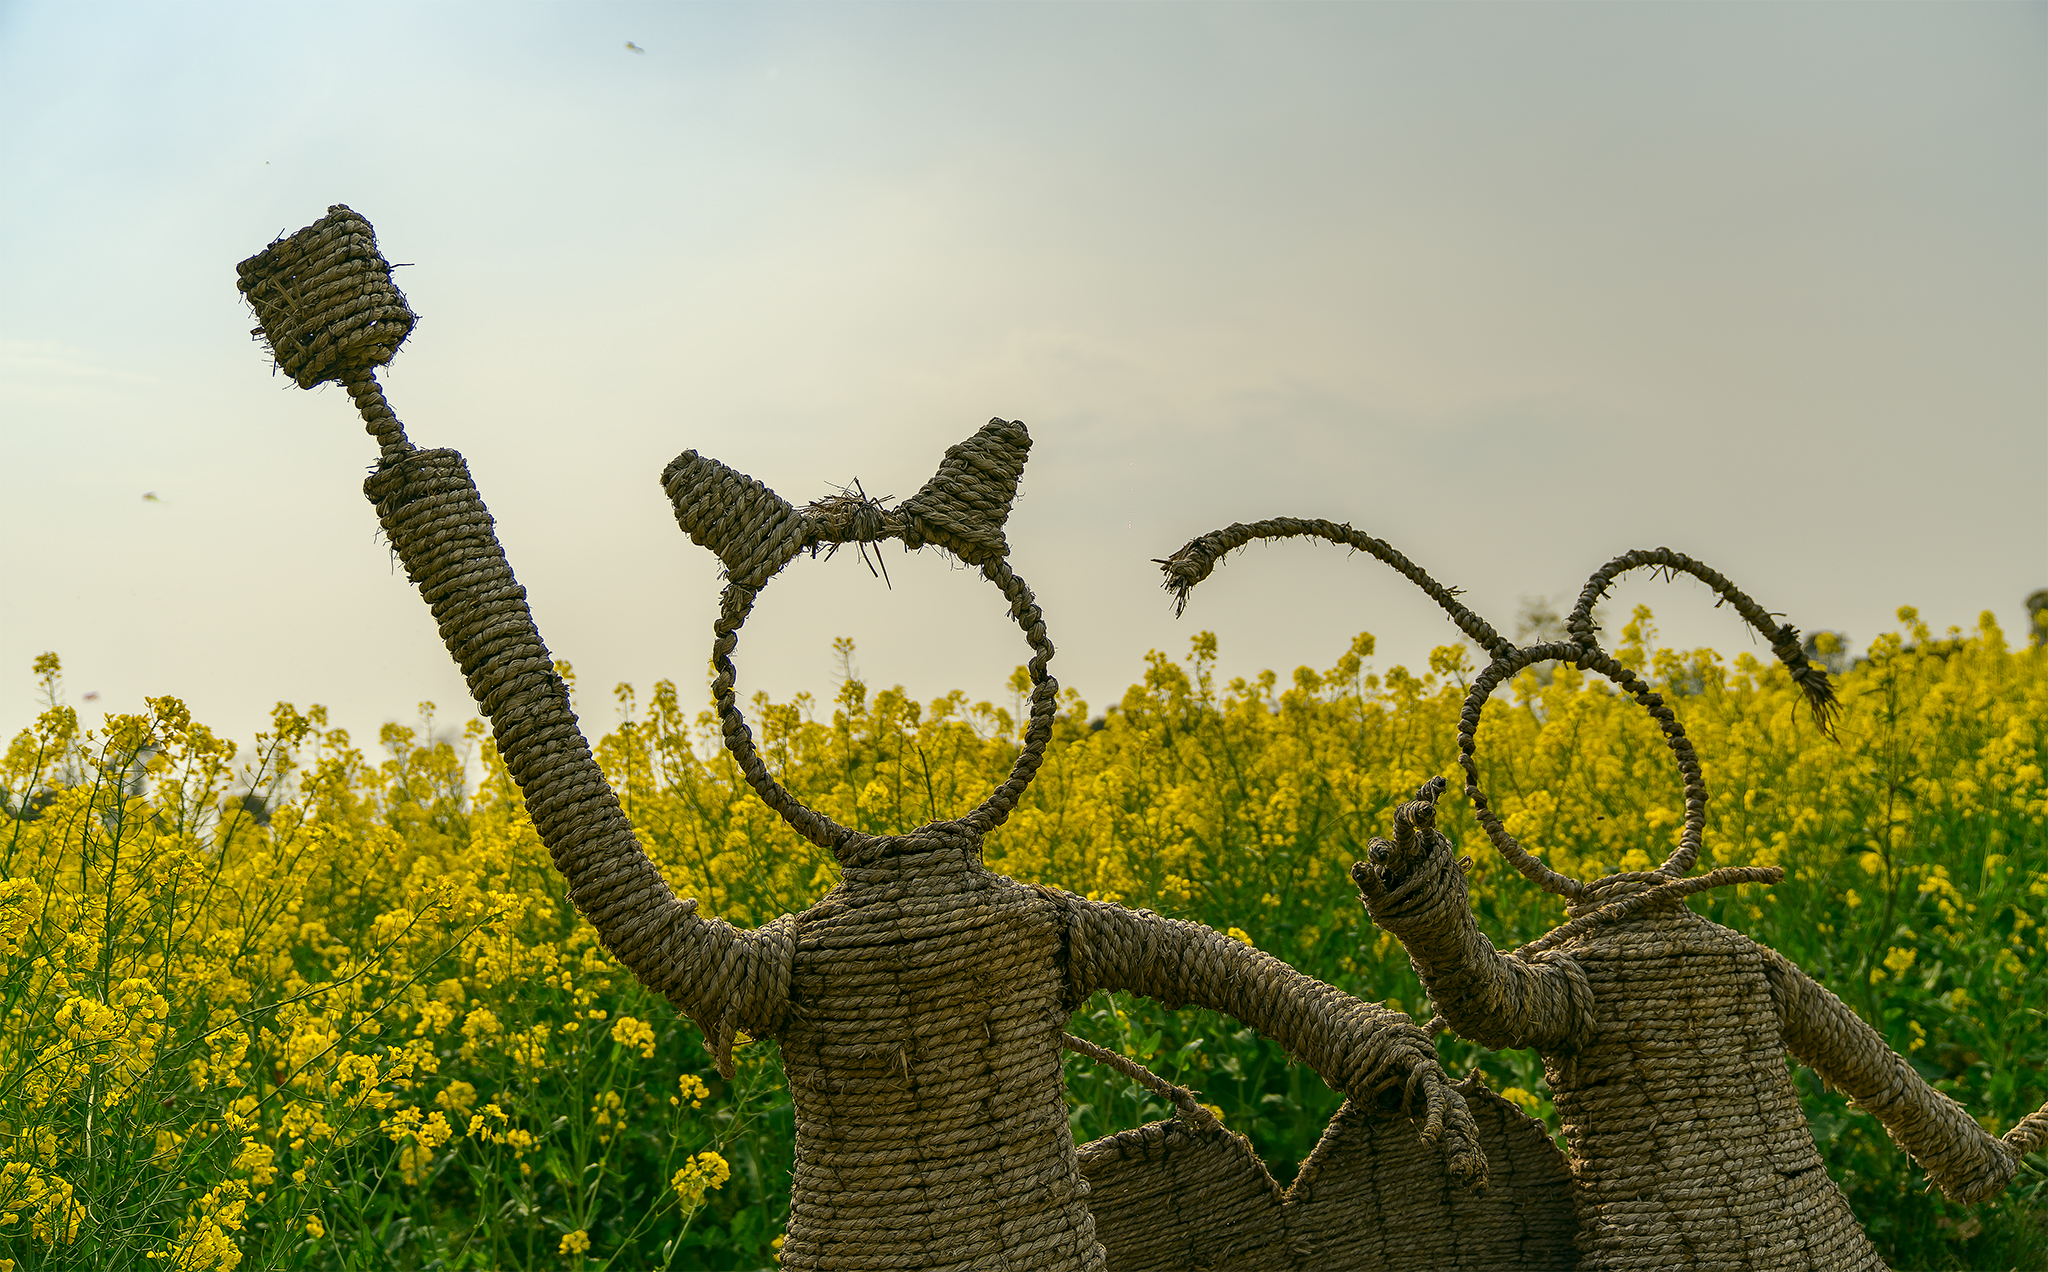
<point>753,530</point>
<point>964,506</point>
<point>1812,681</point>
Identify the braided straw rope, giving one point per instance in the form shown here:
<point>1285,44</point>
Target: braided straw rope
<point>1812,680</point>
<point>1199,556</point>
<point>1662,1034</point>
<point>919,1005</point>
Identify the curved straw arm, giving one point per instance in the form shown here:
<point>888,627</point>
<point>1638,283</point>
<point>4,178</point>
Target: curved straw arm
<point>723,978</point>
<point>1414,889</point>
<point>1967,1161</point>
<point>1199,557</point>
<point>1586,658</point>
<point>1784,638</point>
<point>1359,1048</point>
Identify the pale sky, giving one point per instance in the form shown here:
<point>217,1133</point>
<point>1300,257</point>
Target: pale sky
<point>1514,287</point>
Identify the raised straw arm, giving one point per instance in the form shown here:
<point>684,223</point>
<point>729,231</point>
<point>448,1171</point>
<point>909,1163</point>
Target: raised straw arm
<point>1359,1048</point>
<point>723,978</point>
<point>1415,889</point>
<point>329,312</point>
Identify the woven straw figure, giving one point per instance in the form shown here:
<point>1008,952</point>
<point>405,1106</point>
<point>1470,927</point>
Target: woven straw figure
<point>1663,1035</point>
<point>919,1005</point>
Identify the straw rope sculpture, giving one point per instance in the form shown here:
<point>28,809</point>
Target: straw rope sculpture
<point>920,1004</point>
<point>1663,1035</point>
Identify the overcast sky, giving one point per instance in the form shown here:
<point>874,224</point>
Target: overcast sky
<point>1514,287</point>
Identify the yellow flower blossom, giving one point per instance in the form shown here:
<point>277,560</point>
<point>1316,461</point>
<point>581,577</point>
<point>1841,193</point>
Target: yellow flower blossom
<point>705,1171</point>
<point>458,1097</point>
<point>630,1032</point>
<point>257,1160</point>
<point>1521,1099</point>
<point>480,1028</point>
<point>388,958</point>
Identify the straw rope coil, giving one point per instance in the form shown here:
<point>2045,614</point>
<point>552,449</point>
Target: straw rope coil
<point>1784,638</point>
<point>1197,558</point>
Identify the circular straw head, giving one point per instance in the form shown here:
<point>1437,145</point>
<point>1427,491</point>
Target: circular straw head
<point>325,299</point>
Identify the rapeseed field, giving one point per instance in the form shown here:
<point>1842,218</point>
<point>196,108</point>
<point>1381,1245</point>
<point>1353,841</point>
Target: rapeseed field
<point>291,1006</point>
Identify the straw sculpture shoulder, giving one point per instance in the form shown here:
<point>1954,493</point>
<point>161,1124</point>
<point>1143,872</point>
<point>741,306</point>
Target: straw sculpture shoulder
<point>1663,1035</point>
<point>920,1004</point>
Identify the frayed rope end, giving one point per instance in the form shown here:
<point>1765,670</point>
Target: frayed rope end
<point>1185,568</point>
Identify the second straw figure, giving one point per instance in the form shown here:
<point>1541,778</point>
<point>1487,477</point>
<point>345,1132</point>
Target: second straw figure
<point>1663,1035</point>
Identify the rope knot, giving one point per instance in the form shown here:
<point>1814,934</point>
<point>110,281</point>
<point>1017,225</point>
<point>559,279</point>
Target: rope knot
<point>851,516</point>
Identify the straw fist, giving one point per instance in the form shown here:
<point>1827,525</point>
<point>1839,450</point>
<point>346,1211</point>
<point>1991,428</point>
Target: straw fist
<point>1393,864</point>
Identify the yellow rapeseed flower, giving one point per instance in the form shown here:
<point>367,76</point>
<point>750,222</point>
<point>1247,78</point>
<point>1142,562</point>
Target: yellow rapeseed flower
<point>701,1173</point>
<point>630,1032</point>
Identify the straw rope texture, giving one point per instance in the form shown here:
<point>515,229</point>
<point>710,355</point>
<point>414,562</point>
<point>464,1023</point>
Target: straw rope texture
<point>1187,1193</point>
<point>1663,1035</point>
<point>920,1004</point>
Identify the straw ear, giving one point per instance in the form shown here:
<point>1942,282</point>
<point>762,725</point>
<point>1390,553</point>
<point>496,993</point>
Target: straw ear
<point>751,528</point>
<point>964,506</point>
